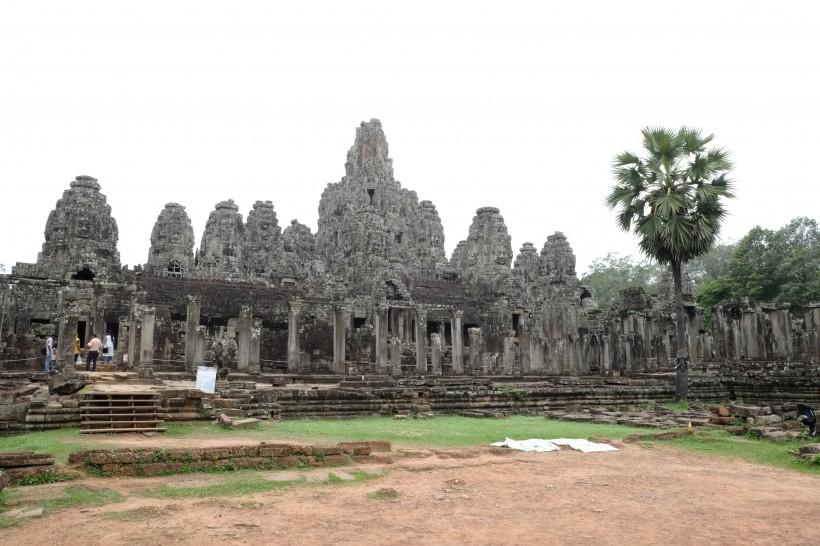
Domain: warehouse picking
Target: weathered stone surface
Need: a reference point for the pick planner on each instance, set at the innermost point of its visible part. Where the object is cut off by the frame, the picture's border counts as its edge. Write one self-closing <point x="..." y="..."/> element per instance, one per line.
<point x="66" y="381"/>
<point x="372" y="292"/>
<point x="172" y="244"/>
<point x="245" y="423"/>
<point x="220" y="252"/>
<point x="744" y="411"/>
<point x="484" y="257"/>
<point x="81" y="235"/>
<point x="263" y="244"/>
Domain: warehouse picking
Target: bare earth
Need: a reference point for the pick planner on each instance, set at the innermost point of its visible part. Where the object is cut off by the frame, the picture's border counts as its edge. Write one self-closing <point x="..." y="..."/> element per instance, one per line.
<point x="635" y="496"/>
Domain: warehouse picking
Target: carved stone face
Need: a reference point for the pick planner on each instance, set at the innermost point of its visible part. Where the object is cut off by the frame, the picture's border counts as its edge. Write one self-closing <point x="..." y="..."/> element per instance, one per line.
<point x="83" y="227"/>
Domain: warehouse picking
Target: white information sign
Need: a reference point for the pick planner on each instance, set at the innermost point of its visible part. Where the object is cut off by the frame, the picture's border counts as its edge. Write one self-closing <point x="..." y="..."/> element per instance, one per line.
<point x="206" y="379"/>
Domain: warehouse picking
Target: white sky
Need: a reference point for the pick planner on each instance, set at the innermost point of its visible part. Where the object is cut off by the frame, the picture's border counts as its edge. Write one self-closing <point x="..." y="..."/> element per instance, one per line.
<point x="519" y="105"/>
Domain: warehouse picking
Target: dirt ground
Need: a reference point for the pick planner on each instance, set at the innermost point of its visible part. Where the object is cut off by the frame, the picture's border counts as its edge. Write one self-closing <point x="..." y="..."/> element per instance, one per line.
<point x="636" y="496"/>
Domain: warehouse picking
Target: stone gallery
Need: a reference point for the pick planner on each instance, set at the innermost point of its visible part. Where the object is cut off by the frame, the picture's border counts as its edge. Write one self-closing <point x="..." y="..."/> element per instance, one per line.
<point x="370" y="293"/>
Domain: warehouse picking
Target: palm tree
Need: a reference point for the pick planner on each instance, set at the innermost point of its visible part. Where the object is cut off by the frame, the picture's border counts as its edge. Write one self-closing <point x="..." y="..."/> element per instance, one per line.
<point x="671" y="199"/>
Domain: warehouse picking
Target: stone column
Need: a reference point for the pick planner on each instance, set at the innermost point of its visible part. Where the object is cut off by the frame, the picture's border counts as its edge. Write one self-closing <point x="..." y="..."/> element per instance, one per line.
<point x="294" y="308"/>
<point x="435" y="343"/>
<point x="782" y="331"/>
<point x="65" y="339"/>
<point x="191" y="324"/>
<point x="524" y="343"/>
<point x="400" y="328"/>
<point x="508" y="358"/>
<point x="458" y="344"/>
<point x="380" y="328"/>
<point x="243" y="348"/>
<point x="134" y="335"/>
<point x="395" y="356"/>
<point x="254" y="358"/>
<point x="198" y="347"/>
<point x="99" y="323"/>
<point x="147" y="338"/>
<point x="421" y="341"/>
<point x="475" y="348"/>
<point x="340" y="314"/>
<point x="812" y="321"/>
<point x="748" y="345"/>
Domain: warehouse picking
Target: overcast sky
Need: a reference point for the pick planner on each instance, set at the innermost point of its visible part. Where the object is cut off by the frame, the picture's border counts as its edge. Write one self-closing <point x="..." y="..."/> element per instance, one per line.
<point x="518" y="105"/>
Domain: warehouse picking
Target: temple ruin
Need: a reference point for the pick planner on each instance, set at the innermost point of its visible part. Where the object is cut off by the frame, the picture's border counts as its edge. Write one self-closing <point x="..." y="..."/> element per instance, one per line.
<point x="371" y="293"/>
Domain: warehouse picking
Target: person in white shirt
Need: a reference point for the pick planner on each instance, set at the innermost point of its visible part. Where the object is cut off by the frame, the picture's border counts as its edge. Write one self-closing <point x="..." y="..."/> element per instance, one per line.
<point x="49" y="351"/>
<point x="108" y="347"/>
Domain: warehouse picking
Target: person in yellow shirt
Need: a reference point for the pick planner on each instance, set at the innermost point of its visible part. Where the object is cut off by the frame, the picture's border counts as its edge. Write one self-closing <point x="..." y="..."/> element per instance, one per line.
<point x="76" y="349"/>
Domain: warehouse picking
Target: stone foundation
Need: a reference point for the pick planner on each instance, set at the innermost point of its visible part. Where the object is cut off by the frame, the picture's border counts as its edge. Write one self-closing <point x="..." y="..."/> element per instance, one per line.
<point x="153" y="462"/>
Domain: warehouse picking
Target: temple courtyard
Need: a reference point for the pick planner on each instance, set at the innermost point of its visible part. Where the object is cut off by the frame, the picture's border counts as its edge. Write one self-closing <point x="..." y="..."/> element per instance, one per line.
<point x="413" y="495"/>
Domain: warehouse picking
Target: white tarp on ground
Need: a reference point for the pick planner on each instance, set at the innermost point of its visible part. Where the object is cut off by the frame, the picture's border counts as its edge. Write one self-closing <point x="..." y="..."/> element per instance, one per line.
<point x="536" y="444"/>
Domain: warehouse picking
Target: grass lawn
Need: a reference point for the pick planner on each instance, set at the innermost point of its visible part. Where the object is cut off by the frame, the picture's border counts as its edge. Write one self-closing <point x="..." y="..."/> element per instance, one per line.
<point x="441" y="431"/>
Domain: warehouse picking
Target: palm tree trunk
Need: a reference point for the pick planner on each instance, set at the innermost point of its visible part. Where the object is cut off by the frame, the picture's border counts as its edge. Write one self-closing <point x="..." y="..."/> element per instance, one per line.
<point x="682" y="362"/>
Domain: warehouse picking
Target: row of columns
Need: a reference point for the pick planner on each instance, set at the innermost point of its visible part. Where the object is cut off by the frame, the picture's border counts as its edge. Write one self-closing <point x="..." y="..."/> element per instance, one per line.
<point x="248" y="346"/>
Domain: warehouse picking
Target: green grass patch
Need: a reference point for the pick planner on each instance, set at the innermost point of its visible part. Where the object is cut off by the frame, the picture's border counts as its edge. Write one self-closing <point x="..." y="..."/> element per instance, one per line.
<point x="441" y="431"/>
<point x="719" y="443"/>
<point x="243" y="482"/>
<point x="73" y="496"/>
<point x="59" y="442"/>
<point x="249" y="482"/>
<point x="79" y="495"/>
<point x="48" y="477"/>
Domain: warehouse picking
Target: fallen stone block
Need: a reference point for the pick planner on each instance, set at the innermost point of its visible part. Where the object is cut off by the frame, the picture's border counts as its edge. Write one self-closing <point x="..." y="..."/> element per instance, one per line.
<point x="225" y="420"/>
<point x="275" y="450"/>
<point x="745" y="411"/>
<point x="250" y="422"/>
<point x="812" y="449"/>
<point x="767" y="419"/>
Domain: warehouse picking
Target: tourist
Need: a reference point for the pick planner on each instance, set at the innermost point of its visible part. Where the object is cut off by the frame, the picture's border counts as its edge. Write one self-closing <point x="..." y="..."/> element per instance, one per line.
<point x="93" y="351"/>
<point x="108" y="347"/>
<point x="77" y="359"/>
<point x="48" y="350"/>
<point x="54" y="354"/>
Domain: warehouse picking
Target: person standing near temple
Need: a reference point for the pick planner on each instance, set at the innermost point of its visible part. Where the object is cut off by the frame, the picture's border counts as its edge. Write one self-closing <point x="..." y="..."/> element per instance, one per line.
<point x="49" y="350"/>
<point x="76" y="350"/>
<point x="108" y="347"/>
<point x="94" y="345"/>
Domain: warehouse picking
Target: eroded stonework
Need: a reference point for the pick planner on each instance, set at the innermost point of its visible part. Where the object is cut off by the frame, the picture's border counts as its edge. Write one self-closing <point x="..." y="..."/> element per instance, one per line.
<point x="172" y="244"/>
<point x="81" y="236"/>
<point x="220" y="253"/>
<point x="370" y="293"/>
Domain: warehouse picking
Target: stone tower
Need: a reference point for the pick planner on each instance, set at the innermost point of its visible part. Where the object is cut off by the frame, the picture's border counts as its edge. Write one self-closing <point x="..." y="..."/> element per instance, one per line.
<point x="557" y="259"/>
<point x="172" y="244"/>
<point x="486" y="255"/>
<point x="220" y="253"/>
<point x="299" y="251"/>
<point x="368" y="220"/>
<point x="81" y="235"/>
<point x="263" y="241"/>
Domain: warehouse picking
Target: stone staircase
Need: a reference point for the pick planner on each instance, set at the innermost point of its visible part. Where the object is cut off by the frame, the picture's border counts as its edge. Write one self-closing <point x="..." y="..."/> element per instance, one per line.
<point x="106" y="412"/>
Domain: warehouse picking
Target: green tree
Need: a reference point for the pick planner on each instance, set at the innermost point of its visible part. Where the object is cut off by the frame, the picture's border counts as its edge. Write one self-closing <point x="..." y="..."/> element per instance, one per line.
<point x="612" y="273"/>
<point x="712" y="265"/>
<point x="672" y="200"/>
<point x="781" y="265"/>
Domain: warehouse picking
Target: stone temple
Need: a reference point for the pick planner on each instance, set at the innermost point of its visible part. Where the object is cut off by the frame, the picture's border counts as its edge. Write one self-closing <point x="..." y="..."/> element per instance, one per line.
<point x="370" y="293"/>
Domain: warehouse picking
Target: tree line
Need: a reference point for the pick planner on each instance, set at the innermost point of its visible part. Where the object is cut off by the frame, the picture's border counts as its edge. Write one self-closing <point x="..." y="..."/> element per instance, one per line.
<point x="773" y="265"/>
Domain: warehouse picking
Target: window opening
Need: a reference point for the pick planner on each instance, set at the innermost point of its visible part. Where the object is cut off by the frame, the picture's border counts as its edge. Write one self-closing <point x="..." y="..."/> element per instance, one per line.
<point x="174" y="269"/>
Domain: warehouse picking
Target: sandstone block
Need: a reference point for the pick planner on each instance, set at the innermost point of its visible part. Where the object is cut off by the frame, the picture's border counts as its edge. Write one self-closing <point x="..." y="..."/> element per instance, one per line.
<point x="745" y="411"/>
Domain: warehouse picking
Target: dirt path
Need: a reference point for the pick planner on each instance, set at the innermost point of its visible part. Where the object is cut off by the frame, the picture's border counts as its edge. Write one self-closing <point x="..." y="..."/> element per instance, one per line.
<point x="634" y="496"/>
